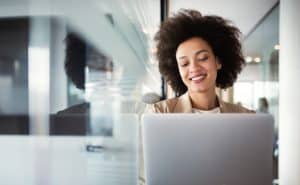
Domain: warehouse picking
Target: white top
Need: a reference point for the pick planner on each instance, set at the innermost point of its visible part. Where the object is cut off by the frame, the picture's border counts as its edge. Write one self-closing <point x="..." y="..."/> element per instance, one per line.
<point x="212" y="111"/>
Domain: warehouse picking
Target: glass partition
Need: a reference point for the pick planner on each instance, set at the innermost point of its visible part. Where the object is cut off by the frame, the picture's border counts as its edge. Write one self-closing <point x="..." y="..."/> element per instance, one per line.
<point x="258" y="85"/>
<point x="259" y="79"/>
<point x="56" y="59"/>
<point x="77" y="71"/>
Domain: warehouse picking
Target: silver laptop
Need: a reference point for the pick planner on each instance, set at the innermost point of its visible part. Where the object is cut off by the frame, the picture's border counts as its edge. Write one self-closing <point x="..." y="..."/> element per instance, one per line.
<point x="214" y="149"/>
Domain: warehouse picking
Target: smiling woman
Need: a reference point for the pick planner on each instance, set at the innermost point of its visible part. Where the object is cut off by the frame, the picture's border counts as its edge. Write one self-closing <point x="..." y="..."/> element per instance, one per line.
<point x="196" y="54"/>
<point x="198" y="67"/>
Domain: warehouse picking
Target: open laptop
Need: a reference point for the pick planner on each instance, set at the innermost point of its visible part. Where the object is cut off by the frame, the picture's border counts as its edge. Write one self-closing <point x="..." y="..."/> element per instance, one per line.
<point x="214" y="149"/>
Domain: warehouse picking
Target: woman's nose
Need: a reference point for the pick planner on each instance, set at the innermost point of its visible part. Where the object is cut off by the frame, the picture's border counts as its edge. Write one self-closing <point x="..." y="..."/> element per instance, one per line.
<point x="195" y="66"/>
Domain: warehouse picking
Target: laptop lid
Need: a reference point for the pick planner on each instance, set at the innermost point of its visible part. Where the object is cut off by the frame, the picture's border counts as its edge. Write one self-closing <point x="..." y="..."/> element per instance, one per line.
<point x="214" y="149"/>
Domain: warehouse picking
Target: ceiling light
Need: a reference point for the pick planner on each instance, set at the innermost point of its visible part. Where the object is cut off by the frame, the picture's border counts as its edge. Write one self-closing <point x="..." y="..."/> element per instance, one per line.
<point x="145" y="31"/>
<point x="153" y="50"/>
<point x="257" y="60"/>
<point x="248" y="59"/>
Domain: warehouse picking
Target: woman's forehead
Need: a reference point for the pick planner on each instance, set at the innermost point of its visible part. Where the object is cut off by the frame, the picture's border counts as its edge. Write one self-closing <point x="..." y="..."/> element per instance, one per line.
<point x="192" y="46"/>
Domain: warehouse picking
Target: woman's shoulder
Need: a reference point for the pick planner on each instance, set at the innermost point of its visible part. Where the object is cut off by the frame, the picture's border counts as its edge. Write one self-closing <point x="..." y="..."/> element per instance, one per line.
<point x="182" y="104"/>
<point x="82" y="108"/>
<point x="164" y="106"/>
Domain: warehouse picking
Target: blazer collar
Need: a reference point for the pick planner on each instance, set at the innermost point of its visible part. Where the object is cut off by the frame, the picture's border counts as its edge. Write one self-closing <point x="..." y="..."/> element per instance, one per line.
<point x="184" y="104"/>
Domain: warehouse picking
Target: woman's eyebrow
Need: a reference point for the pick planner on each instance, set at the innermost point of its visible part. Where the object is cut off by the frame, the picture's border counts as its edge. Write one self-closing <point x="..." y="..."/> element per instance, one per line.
<point x="181" y="57"/>
<point x="201" y="51"/>
<point x="196" y="53"/>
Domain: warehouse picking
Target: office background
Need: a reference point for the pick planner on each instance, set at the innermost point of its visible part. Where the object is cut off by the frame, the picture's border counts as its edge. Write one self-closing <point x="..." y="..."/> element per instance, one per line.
<point x="116" y="41"/>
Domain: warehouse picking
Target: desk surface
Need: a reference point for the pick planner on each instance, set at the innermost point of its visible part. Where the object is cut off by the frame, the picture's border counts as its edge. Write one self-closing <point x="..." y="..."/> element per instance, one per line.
<point x="33" y="160"/>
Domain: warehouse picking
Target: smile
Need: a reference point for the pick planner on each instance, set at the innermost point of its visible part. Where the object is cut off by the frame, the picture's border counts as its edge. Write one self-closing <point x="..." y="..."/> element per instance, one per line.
<point x="198" y="78"/>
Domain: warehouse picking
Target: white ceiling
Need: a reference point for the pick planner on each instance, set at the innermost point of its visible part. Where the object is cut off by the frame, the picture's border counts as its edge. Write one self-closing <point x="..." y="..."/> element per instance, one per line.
<point x="245" y="14"/>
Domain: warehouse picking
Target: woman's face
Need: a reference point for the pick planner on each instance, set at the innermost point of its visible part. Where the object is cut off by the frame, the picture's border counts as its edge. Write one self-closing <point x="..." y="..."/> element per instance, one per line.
<point x="197" y="65"/>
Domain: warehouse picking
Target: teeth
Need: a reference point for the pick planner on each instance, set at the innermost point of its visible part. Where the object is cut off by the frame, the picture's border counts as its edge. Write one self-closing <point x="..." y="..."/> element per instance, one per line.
<point x="201" y="77"/>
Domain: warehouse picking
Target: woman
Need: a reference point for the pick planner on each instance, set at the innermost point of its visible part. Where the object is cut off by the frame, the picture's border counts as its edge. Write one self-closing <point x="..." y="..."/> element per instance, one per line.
<point x="196" y="54"/>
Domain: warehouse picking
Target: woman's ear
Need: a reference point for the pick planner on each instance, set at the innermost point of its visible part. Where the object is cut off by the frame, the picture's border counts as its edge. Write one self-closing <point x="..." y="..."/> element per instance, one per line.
<point x="218" y="63"/>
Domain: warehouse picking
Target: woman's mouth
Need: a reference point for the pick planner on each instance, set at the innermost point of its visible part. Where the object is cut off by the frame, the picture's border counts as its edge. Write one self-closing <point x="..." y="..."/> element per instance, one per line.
<point x="198" y="78"/>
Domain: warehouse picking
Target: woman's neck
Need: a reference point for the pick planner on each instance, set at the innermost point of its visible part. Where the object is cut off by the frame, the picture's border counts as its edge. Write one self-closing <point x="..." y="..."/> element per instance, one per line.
<point x="204" y="101"/>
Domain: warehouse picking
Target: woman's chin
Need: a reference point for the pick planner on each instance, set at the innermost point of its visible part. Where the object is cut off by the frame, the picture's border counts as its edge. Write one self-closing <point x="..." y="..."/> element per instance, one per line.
<point x="198" y="89"/>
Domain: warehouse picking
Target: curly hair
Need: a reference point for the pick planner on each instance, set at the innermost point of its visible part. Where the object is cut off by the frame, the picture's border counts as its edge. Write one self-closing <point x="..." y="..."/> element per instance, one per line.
<point x="79" y="54"/>
<point x="75" y="60"/>
<point x="219" y="33"/>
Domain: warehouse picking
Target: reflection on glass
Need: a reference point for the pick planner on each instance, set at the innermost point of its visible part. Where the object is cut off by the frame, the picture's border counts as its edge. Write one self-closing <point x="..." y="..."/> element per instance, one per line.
<point x="72" y="73"/>
<point x="258" y="86"/>
<point x="102" y="91"/>
<point x="260" y="78"/>
<point x="13" y="66"/>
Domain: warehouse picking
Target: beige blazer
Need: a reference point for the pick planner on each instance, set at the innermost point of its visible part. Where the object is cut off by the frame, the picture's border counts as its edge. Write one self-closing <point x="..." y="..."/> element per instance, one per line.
<point x="183" y="104"/>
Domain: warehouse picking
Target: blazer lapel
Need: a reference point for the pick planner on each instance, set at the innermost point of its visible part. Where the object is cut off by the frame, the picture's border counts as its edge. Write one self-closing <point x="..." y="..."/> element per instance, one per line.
<point x="183" y="104"/>
<point x="224" y="107"/>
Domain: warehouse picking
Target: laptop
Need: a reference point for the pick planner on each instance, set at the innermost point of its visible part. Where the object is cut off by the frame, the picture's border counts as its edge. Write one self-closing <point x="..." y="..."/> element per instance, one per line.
<point x="201" y="149"/>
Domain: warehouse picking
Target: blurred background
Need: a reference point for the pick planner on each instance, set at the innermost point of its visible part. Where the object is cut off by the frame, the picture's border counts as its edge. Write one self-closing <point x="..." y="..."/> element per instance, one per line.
<point x="87" y="68"/>
<point x="55" y="56"/>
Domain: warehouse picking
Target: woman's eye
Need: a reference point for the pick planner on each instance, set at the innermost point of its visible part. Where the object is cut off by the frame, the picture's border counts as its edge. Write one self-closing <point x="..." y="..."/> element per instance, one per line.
<point x="184" y="64"/>
<point x="202" y="59"/>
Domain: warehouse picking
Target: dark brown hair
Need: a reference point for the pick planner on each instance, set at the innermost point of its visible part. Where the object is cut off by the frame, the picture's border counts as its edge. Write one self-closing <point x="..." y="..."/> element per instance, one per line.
<point x="219" y="33"/>
<point x="75" y="59"/>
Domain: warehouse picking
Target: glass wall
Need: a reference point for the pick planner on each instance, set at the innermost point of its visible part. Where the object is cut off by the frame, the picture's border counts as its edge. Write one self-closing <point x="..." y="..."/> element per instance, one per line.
<point x="257" y="86"/>
<point x="53" y="58"/>
<point x="76" y="68"/>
